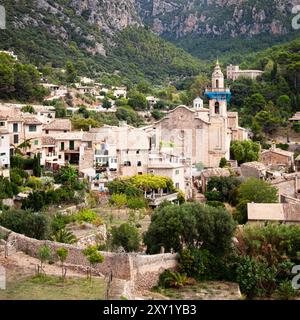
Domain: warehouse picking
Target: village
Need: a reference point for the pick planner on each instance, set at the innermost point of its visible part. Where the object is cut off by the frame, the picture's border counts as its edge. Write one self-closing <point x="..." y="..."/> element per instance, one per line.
<point x="96" y="180"/>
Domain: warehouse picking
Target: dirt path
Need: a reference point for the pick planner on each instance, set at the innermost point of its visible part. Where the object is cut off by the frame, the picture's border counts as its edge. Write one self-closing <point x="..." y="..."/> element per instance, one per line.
<point x="22" y="265"/>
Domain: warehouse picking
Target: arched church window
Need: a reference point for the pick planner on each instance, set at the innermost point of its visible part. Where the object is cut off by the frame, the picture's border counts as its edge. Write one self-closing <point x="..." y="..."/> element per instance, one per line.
<point x="217" y="83"/>
<point x="217" y="108"/>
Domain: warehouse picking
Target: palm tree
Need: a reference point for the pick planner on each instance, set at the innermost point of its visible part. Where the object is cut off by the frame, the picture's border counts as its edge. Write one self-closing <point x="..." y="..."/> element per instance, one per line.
<point x="22" y="146"/>
<point x="64" y="236"/>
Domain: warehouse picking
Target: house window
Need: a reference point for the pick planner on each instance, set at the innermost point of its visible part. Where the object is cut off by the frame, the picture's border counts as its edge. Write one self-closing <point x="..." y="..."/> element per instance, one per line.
<point x="2" y="124"/>
<point x="3" y="154"/>
<point x="89" y="144"/>
<point x="15" y="127"/>
<point x="36" y="142"/>
<point x="32" y="128"/>
<point x="72" y="145"/>
<point x="139" y="164"/>
<point x="59" y="157"/>
<point x="177" y="185"/>
<point x="151" y="171"/>
<point x="16" y="138"/>
<point x="47" y="131"/>
<point x="2" y="137"/>
<point x="138" y="152"/>
<point x="217" y="108"/>
<point x="177" y="172"/>
<point x="62" y="146"/>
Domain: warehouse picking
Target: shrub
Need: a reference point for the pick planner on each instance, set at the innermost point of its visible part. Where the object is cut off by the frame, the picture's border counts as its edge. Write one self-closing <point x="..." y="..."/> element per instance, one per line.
<point x="202" y="264"/>
<point x="86" y="215"/>
<point x="93" y="256"/>
<point x="126" y="236"/>
<point x="213" y="196"/>
<point x="223" y="163"/>
<point x="34" y="183"/>
<point x="64" y="236"/>
<point x="285" y="291"/>
<point x="255" y="278"/>
<point x="170" y="279"/>
<point x="32" y="224"/>
<point x="216" y="204"/>
<point x="60" y="221"/>
<point x="119" y="186"/>
<point x="118" y="200"/>
<point x="136" y="203"/>
<point x="44" y="254"/>
<point x="6" y="188"/>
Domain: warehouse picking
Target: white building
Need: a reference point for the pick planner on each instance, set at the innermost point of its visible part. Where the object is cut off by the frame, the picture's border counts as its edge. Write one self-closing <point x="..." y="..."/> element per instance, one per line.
<point x="234" y="72"/>
<point x="198" y="103"/>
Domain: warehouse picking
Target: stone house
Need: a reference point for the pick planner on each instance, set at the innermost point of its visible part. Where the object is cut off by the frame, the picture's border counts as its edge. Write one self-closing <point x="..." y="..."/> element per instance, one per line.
<point x="57" y="126"/>
<point x="288" y="213"/>
<point x="254" y="169"/>
<point x="277" y="158"/>
<point x="23" y="128"/>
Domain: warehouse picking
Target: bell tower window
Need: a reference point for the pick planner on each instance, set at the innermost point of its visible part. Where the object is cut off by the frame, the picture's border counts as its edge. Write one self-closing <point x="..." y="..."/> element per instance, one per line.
<point x="217" y="83"/>
<point x="217" y="108"/>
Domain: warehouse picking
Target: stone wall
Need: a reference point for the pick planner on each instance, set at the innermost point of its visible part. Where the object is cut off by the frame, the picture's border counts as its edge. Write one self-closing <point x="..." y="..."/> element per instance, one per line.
<point x="141" y="270"/>
<point x="147" y="268"/>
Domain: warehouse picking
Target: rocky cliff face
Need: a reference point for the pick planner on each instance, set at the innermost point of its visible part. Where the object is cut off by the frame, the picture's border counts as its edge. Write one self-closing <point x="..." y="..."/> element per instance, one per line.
<point x="90" y="22"/>
<point x="179" y="18"/>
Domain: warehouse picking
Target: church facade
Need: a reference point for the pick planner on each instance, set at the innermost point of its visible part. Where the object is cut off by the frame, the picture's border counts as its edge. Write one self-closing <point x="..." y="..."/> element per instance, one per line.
<point x="199" y="134"/>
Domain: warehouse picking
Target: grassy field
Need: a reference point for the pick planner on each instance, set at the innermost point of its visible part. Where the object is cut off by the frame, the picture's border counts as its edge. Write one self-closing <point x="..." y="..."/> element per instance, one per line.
<point x="210" y="290"/>
<point x="52" y="288"/>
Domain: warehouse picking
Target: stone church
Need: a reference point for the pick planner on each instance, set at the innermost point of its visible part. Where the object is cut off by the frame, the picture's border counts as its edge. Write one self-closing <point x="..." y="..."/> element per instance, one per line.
<point x="199" y="134"/>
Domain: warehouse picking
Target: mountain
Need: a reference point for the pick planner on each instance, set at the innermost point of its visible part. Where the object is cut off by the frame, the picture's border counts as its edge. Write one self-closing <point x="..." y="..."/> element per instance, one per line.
<point x="206" y="28"/>
<point x="94" y="35"/>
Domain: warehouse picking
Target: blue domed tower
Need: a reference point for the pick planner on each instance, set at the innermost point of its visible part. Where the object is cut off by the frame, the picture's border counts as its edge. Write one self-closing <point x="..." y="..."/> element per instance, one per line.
<point x="218" y="95"/>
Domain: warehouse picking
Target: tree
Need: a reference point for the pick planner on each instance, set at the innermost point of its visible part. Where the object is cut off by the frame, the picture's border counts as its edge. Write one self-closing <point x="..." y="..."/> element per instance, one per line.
<point x="94" y="257"/>
<point x="257" y="191"/>
<point x="223" y="163"/>
<point x="126" y="236"/>
<point x="44" y="254"/>
<point x="62" y="254"/>
<point x="254" y="104"/>
<point x="71" y="72"/>
<point x="28" y="109"/>
<point x="67" y="175"/>
<point x="106" y="104"/>
<point x="157" y="115"/>
<point x="31" y="224"/>
<point x="138" y="101"/>
<point x="224" y="188"/>
<point x="267" y="121"/>
<point x="245" y="151"/>
<point x="143" y="87"/>
<point x="190" y="225"/>
<point x="199" y="85"/>
<point x="37" y="171"/>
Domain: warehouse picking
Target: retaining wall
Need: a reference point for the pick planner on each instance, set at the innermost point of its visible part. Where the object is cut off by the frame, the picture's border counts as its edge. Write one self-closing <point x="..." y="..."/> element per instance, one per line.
<point x="141" y="270"/>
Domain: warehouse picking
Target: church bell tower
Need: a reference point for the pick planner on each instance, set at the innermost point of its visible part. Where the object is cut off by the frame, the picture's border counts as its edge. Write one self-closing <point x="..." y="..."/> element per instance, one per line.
<point x="218" y="95"/>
